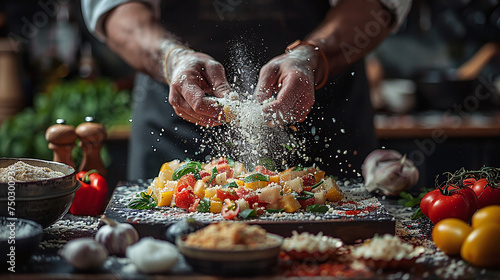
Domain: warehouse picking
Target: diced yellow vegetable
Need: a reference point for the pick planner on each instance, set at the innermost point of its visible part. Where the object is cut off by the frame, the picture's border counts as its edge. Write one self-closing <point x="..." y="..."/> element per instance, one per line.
<point x="274" y="179"/>
<point x="289" y="203"/>
<point x="165" y="197"/>
<point x="240" y="183"/>
<point x="199" y="189"/>
<point x="319" y="175"/>
<point x="256" y="185"/>
<point x="167" y="169"/>
<point x="215" y="205"/>
<point x="333" y="191"/>
<point x="210" y="192"/>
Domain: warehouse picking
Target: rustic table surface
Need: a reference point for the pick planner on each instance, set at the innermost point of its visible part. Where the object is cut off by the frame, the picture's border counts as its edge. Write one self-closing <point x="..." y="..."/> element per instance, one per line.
<point x="433" y="264"/>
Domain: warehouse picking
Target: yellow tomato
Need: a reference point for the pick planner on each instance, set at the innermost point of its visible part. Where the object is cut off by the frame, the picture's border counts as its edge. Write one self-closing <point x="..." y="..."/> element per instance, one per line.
<point x="449" y="235"/>
<point x="486" y="215"/>
<point x="482" y="246"/>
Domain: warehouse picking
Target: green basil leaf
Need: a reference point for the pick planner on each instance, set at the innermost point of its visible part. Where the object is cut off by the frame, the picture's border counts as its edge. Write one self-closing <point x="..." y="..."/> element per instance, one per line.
<point x="255" y="178"/>
<point x="247" y="213"/>
<point x="275" y="210"/>
<point x="190" y="167"/>
<point x="316" y="208"/>
<point x="231" y="185"/>
<point x="142" y="201"/>
<point x="203" y="205"/>
<point x="214" y="174"/>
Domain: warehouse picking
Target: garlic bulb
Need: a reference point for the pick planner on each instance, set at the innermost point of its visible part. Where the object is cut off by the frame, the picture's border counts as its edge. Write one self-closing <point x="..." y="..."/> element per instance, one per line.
<point x="84" y="253"/>
<point x="153" y="256"/>
<point x="389" y="172"/>
<point x="116" y="237"/>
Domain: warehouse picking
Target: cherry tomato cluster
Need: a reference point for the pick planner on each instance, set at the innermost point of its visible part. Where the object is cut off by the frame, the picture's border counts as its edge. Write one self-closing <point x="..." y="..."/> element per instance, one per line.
<point x="462" y="194"/>
<point x="478" y="243"/>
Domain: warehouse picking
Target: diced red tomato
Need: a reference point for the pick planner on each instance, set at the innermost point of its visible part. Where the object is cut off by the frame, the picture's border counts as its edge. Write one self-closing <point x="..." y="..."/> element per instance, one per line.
<point x="248" y="195"/>
<point x="192" y="207"/>
<point x="306" y="202"/>
<point x="229" y="194"/>
<point x="224" y="167"/>
<point x="262" y="170"/>
<point x="204" y="174"/>
<point x="185" y="181"/>
<point x="308" y="180"/>
<point x="184" y="198"/>
<point x="220" y="160"/>
<point x="230" y="209"/>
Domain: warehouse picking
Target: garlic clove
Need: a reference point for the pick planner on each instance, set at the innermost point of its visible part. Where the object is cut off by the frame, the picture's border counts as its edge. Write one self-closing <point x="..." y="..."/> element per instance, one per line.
<point x="84" y="253"/>
<point x="116" y="237"/>
<point x="153" y="256"/>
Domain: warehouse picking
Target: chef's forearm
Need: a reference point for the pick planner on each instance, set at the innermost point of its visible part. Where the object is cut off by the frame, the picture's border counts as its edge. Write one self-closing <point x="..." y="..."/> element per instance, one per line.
<point x="349" y="31"/>
<point x="134" y="33"/>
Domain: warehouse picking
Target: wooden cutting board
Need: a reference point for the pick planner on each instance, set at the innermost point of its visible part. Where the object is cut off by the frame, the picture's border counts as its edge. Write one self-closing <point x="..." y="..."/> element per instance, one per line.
<point x="358" y="216"/>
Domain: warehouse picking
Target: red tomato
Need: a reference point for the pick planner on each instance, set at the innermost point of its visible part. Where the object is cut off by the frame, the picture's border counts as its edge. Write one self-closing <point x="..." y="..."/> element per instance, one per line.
<point x="248" y="195"/>
<point x="204" y="174"/>
<point x="308" y="180"/>
<point x="192" y="207"/>
<point x="427" y="200"/>
<point x="486" y="195"/>
<point x="229" y="194"/>
<point x="264" y="171"/>
<point x="224" y="167"/>
<point x="184" y="198"/>
<point x="306" y="202"/>
<point x="185" y="181"/>
<point x="230" y="209"/>
<point x="458" y="204"/>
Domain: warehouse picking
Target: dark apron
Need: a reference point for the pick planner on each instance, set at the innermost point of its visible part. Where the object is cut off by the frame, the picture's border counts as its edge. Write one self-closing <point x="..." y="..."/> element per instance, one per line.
<point x="339" y="129"/>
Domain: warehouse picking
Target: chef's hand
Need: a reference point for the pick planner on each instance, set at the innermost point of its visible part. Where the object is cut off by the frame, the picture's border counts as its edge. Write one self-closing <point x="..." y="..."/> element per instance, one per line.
<point x="291" y="78"/>
<point x="193" y="76"/>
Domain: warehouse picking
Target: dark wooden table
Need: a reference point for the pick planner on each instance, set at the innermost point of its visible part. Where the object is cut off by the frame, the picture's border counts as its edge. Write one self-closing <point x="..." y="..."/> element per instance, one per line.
<point x="433" y="264"/>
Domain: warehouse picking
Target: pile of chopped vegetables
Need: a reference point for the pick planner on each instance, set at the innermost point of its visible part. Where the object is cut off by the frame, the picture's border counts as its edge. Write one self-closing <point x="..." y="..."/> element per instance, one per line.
<point x="226" y="187"/>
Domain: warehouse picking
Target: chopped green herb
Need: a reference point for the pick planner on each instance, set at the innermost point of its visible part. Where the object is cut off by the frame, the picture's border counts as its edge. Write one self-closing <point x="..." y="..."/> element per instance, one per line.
<point x="255" y="178"/>
<point x="231" y="185"/>
<point x="317" y="184"/>
<point x="316" y="208"/>
<point x="247" y="213"/>
<point x="299" y="167"/>
<point x="193" y="167"/>
<point x="142" y="201"/>
<point x="214" y="174"/>
<point x="203" y="205"/>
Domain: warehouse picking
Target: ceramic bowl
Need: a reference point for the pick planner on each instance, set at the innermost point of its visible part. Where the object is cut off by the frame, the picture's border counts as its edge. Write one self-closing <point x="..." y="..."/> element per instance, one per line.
<point x="43" y="201"/>
<point x="21" y="235"/>
<point x="248" y="262"/>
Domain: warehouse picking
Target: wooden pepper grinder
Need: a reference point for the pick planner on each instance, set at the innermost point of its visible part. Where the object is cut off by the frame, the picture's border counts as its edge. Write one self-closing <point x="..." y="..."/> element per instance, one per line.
<point x="61" y="138"/>
<point x="92" y="136"/>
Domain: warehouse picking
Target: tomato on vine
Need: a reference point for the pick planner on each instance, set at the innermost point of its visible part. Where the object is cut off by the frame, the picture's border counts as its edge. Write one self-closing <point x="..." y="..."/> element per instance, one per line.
<point x="449" y="202"/>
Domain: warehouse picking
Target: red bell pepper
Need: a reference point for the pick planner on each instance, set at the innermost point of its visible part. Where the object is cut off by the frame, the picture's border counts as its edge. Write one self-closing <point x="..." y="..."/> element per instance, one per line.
<point x="90" y="198"/>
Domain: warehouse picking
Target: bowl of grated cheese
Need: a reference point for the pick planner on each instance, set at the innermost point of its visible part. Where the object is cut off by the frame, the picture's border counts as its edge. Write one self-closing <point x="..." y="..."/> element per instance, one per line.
<point x="37" y="190"/>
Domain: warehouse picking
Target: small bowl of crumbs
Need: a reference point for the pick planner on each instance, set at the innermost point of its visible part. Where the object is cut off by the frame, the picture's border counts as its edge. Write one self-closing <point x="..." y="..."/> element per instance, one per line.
<point x="307" y="246"/>
<point x="42" y="191"/>
<point x="387" y="252"/>
<point x="19" y="238"/>
<point x="231" y="249"/>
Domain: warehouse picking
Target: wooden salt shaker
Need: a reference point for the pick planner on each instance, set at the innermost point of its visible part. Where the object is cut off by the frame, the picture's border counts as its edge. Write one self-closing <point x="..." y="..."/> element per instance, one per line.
<point x="92" y="136"/>
<point x="61" y="138"/>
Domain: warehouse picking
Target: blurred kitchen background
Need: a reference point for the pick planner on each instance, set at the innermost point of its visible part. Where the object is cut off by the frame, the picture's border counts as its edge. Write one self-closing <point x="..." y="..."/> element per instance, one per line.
<point x="435" y="84"/>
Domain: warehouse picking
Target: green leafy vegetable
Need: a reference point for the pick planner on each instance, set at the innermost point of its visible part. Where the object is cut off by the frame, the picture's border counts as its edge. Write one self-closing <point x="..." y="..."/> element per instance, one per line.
<point x="203" y="205"/>
<point x="408" y="200"/>
<point x="192" y="167"/>
<point x="255" y="178"/>
<point x="317" y="184"/>
<point x="231" y="185"/>
<point x="213" y="175"/>
<point x="247" y="213"/>
<point x="316" y="208"/>
<point x="142" y="201"/>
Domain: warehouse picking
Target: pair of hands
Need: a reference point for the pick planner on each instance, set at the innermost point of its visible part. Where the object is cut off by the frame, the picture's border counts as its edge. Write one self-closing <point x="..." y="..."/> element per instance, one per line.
<point x="289" y="77"/>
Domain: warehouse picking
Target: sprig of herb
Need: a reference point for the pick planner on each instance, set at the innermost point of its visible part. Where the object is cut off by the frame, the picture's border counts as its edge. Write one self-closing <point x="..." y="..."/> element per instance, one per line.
<point x="248" y="213"/>
<point x="317" y="208"/>
<point x="142" y="201"/>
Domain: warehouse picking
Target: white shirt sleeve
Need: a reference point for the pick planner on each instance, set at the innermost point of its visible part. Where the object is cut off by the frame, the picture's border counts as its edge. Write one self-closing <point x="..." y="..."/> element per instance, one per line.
<point x="94" y="12"/>
<point x="399" y="8"/>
